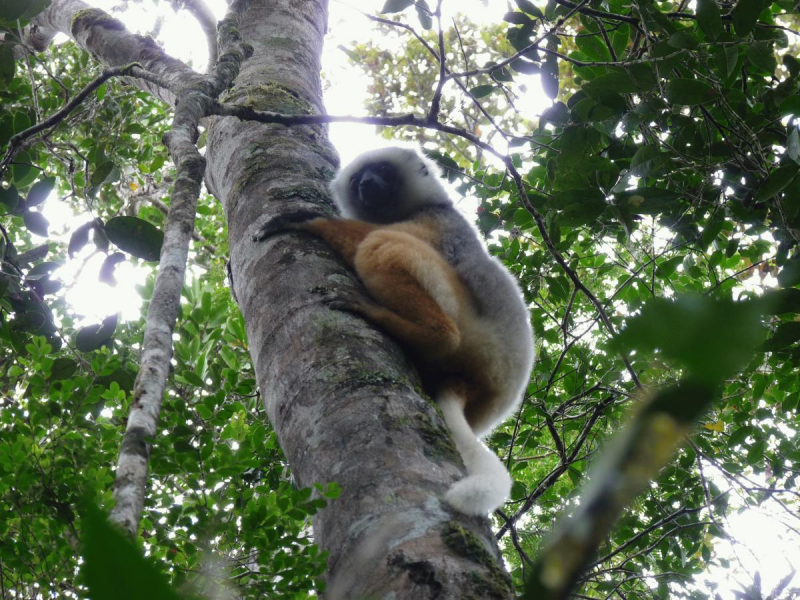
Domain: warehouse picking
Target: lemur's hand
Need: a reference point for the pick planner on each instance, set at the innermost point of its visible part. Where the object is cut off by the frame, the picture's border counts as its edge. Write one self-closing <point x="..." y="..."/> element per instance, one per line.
<point x="283" y="223"/>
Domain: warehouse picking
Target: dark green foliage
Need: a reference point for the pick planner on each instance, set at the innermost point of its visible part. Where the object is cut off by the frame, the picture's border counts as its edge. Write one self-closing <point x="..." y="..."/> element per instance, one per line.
<point x="665" y="173"/>
<point x="136" y="236"/>
<point x="114" y="568"/>
<point x="224" y="507"/>
<point x="663" y="183"/>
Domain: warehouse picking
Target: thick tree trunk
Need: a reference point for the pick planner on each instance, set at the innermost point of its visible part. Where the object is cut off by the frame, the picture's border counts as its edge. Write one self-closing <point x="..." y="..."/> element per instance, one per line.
<point x="341" y="395"/>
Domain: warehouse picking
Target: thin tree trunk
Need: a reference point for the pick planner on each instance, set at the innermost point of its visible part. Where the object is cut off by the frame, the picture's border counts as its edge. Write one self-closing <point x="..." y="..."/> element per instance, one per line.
<point x="341" y="395"/>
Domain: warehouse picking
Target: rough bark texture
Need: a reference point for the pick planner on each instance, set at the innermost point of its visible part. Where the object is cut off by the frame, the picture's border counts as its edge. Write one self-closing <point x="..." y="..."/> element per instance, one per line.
<point x="107" y="40"/>
<point x="340" y="394"/>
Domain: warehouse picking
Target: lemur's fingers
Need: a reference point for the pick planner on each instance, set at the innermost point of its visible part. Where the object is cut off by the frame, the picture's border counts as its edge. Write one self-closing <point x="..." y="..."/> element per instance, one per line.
<point x="347" y="301"/>
<point x="283" y="223"/>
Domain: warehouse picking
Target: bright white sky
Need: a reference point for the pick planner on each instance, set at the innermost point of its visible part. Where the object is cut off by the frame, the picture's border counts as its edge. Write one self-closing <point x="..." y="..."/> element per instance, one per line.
<point x="769" y="541"/>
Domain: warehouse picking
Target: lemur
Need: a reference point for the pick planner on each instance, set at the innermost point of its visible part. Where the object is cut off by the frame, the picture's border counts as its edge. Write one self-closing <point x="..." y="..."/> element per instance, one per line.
<point x="433" y="286"/>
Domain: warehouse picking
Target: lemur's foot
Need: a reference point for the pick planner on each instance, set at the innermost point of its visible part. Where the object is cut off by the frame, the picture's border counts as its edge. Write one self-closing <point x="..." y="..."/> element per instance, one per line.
<point x="348" y="301"/>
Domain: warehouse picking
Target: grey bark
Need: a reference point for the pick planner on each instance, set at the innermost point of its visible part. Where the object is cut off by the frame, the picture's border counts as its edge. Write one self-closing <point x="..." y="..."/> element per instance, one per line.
<point x="341" y="395"/>
<point x="107" y="40"/>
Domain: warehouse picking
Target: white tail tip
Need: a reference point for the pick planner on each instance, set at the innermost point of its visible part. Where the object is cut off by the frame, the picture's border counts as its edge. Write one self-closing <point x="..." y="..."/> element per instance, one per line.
<point x="488" y="483"/>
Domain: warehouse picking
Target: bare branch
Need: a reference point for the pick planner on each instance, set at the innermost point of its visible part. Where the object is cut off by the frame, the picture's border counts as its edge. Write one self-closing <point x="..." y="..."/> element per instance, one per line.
<point x="151" y="382"/>
<point x="106" y="38"/>
<point x="433" y="114"/>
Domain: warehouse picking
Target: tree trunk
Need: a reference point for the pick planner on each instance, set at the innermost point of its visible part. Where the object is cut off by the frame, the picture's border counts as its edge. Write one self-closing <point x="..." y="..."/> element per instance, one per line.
<point x="341" y="395"/>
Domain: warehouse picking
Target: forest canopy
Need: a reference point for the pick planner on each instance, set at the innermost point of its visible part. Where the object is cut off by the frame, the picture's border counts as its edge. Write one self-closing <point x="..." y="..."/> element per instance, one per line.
<point x="634" y="164"/>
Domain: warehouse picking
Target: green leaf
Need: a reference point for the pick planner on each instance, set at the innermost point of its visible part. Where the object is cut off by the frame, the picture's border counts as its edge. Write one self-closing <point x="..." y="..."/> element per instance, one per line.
<point x="79" y="238"/>
<point x="683" y="40"/>
<point x="106" y="274"/>
<point x="40" y="191"/>
<point x="689" y="92"/>
<point x="726" y="58"/>
<point x="791" y="64"/>
<point x="35" y="222"/>
<point x="739" y="435"/>
<point x="790" y="106"/>
<point x="193" y="378"/>
<point x="7" y="65"/>
<point x="423" y="14"/>
<point x="525" y="67"/>
<point x="786" y="335"/>
<point x="135" y="236"/>
<point x="34" y="8"/>
<point x="9" y="198"/>
<point x="481" y="91"/>
<point x="549" y="77"/>
<point x="558" y="287"/>
<point x="30" y="321"/>
<point x="593" y="46"/>
<point x="183" y="446"/>
<point x="783" y="301"/>
<point x="762" y="55"/>
<point x="579" y="207"/>
<point x="648" y="161"/>
<point x="776" y="182"/>
<point x="745" y="15"/>
<point x="517" y="18"/>
<point x="620" y="38"/>
<point x="732" y="247"/>
<point x="791" y="402"/>
<point x="530" y="8"/>
<point x="22" y="172"/>
<point x="393" y="6"/>
<point x="94" y="337"/>
<point x="11" y="10"/>
<point x="709" y="19"/>
<point x="42" y="270"/>
<point x="710" y="338"/>
<point x="616" y="82"/>
<point x="113" y="568"/>
<point x="712" y="229"/>
<point x="790" y="273"/>
<point x="668" y="267"/>
<point x="647" y="200"/>
<point x="63" y="368"/>
<point x="21" y="122"/>
<point x="793" y="146"/>
<point x="101" y="174"/>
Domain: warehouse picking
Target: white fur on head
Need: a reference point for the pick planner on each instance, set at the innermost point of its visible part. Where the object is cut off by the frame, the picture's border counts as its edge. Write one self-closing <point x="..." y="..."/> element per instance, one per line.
<point x="419" y="176"/>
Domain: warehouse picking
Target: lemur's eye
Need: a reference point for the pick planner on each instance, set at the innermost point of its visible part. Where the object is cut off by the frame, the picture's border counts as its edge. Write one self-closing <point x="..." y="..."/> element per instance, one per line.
<point x="386" y="170"/>
<point x="354" y="183"/>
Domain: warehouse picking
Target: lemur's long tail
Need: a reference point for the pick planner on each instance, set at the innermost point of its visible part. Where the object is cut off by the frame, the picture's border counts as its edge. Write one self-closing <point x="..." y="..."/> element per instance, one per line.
<point x="488" y="483"/>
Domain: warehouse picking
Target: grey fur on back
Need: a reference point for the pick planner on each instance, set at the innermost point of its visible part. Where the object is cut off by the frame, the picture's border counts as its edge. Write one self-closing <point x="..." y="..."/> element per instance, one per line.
<point x="497" y="297"/>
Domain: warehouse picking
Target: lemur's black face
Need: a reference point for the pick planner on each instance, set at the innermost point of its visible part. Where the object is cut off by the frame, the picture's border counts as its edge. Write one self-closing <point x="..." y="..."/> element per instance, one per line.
<point x="374" y="190"/>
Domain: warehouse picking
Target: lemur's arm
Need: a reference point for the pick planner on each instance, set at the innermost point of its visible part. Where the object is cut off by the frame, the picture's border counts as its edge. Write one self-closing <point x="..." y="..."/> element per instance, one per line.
<point x="342" y="235"/>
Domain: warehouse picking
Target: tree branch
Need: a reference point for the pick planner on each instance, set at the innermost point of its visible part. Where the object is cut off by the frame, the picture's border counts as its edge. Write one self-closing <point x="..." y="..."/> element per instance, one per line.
<point x="106" y="38"/>
<point x="208" y="23"/>
<point x="151" y="381"/>
<point x="433" y="114"/>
